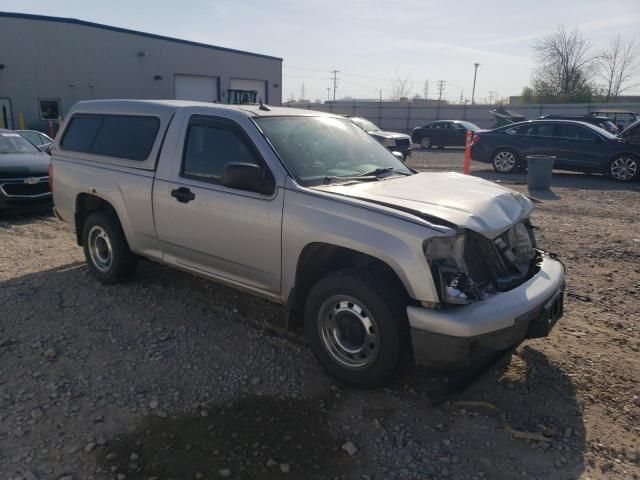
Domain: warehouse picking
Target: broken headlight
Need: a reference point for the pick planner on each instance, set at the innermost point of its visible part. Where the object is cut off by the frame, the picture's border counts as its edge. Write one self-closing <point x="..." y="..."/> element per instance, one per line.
<point x="445" y="255"/>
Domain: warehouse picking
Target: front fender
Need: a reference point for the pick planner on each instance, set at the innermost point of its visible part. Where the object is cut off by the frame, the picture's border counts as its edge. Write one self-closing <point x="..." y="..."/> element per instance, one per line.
<point x="310" y="218"/>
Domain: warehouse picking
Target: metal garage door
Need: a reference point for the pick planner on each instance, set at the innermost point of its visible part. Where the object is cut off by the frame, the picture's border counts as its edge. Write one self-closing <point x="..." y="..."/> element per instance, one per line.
<point x="196" y="87"/>
<point x="239" y="85"/>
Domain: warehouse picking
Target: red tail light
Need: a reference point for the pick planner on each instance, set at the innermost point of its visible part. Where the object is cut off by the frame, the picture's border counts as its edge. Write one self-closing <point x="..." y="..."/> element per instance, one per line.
<point x="51" y="177"/>
<point x="476" y="139"/>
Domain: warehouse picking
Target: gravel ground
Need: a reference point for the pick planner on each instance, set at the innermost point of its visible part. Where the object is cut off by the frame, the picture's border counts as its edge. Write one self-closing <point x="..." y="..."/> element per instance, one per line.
<point x="172" y="376"/>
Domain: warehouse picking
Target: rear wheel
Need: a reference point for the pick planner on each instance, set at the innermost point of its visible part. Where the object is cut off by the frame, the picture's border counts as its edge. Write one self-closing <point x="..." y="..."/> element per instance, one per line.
<point x="624" y="168"/>
<point x="425" y="143"/>
<point x="356" y="327"/>
<point x="106" y="249"/>
<point x="505" y="161"/>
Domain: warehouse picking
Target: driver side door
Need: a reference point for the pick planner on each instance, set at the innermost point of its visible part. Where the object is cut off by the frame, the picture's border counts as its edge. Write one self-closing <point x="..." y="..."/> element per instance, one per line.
<point x="204" y="226"/>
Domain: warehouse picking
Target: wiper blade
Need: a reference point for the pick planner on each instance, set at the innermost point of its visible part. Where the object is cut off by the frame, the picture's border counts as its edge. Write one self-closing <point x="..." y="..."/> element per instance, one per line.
<point x="357" y="178"/>
<point x="381" y="170"/>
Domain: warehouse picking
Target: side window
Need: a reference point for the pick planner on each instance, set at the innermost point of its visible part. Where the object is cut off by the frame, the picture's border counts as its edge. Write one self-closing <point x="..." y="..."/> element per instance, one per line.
<point x="211" y="144"/>
<point x="81" y="133"/>
<point x="540" y="130"/>
<point x="120" y="136"/>
<point x="573" y="132"/>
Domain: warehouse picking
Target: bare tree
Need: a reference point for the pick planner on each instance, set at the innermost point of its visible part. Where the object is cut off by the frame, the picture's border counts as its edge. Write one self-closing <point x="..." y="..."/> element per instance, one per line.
<point x="566" y="65"/>
<point x="619" y="66"/>
<point x="401" y="87"/>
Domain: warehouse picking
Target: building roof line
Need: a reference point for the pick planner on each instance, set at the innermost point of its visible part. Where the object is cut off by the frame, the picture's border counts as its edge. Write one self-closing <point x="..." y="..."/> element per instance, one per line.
<point x="84" y="23"/>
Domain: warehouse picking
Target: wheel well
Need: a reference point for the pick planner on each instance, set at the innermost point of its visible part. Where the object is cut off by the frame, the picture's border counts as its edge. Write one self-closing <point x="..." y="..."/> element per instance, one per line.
<point x="317" y="260"/>
<point x="85" y="205"/>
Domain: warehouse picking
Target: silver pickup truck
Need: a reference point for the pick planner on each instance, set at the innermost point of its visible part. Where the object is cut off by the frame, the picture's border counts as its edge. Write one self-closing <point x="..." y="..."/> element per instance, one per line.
<point x="378" y="262"/>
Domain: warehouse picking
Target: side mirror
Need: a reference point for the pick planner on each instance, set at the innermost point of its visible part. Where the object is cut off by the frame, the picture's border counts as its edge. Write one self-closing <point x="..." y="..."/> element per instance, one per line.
<point x="45" y="148"/>
<point x="248" y="177"/>
<point x="398" y="155"/>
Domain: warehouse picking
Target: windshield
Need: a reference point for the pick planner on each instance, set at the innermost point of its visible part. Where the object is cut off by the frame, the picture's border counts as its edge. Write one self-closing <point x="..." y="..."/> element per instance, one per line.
<point x="14" y="143"/>
<point x="365" y="124"/>
<point x="314" y="148"/>
<point x="469" y="126"/>
<point x="601" y="131"/>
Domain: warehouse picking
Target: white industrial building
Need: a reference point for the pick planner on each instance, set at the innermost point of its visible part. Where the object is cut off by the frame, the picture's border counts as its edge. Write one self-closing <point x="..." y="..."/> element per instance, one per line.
<point x="49" y="63"/>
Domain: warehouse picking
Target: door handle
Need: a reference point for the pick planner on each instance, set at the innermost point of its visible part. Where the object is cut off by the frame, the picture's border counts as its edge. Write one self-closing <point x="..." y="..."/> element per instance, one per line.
<point x="183" y="194"/>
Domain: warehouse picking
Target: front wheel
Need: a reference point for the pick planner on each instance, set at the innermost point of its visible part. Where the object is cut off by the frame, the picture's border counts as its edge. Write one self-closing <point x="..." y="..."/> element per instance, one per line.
<point x="504" y="161"/>
<point x="624" y="168"/>
<point x="357" y="329"/>
<point x="425" y="143"/>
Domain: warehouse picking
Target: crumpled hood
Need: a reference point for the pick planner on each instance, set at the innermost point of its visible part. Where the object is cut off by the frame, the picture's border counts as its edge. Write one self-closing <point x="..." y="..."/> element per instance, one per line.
<point x="463" y="200"/>
<point x="384" y="134"/>
<point x="24" y="165"/>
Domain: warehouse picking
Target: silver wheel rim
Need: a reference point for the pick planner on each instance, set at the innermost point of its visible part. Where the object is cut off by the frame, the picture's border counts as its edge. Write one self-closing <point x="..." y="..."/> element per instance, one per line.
<point x="100" y="249"/>
<point x="348" y="332"/>
<point x="624" y="168"/>
<point x="426" y="142"/>
<point x="504" y="161"/>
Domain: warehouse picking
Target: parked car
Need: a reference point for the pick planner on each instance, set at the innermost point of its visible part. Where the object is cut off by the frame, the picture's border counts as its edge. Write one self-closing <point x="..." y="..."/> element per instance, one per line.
<point x="24" y="177"/>
<point x="307" y="210"/>
<point x="631" y="134"/>
<point x="620" y="118"/>
<point x="599" y="121"/>
<point x="39" y="139"/>
<point x="443" y="133"/>
<point x="577" y="146"/>
<point x="394" y="141"/>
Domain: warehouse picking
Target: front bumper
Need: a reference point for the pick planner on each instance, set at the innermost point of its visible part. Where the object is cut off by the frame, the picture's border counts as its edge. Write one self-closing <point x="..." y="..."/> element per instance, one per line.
<point x="405" y="151"/>
<point x="453" y="336"/>
<point x="24" y="193"/>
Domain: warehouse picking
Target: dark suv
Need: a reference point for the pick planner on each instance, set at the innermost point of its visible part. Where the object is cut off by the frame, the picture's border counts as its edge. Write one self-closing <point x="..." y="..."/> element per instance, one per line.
<point x="599" y="121"/>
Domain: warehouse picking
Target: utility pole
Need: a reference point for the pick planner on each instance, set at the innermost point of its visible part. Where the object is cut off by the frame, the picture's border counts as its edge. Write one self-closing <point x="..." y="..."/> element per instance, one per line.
<point x="335" y="82"/>
<point x="426" y="89"/>
<point x="380" y="95"/>
<point x="441" y="86"/>
<point x="491" y="95"/>
<point x="475" y="74"/>
<point x="461" y="96"/>
<point x="328" y="94"/>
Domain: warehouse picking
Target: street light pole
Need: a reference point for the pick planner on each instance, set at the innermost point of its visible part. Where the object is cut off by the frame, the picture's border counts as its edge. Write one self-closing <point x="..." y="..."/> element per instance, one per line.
<point x="475" y="74"/>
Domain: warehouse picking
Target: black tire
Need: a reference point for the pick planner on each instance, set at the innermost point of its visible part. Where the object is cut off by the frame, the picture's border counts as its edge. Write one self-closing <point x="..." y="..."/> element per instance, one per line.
<point x="382" y="306"/>
<point x="102" y="238"/>
<point x="426" y="143"/>
<point x="505" y="160"/>
<point x="624" y="168"/>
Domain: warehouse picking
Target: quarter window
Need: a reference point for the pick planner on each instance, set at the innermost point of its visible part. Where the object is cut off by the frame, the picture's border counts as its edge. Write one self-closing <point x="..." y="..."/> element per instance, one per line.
<point x="119" y="136"/>
<point x="210" y="145"/>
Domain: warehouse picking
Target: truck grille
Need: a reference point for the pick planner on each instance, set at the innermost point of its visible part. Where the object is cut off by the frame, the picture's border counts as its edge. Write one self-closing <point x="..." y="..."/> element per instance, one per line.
<point x="505" y="261"/>
<point x="32" y="187"/>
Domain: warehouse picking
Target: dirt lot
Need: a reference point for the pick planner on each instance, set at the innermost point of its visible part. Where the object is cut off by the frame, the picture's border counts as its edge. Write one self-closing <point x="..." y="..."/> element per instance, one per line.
<point x="172" y="376"/>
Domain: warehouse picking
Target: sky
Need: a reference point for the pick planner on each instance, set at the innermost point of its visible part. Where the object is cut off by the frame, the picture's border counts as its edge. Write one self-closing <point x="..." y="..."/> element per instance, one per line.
<point x="370" y="43"/>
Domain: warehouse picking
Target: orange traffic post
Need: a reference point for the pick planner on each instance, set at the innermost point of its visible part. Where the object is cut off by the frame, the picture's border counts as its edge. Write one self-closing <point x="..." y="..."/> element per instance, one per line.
<point x="467" y="153"/>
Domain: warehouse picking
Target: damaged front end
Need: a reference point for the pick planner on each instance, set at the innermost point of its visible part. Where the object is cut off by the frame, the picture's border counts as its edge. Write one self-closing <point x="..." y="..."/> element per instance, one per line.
<point x="470" y="266"/>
